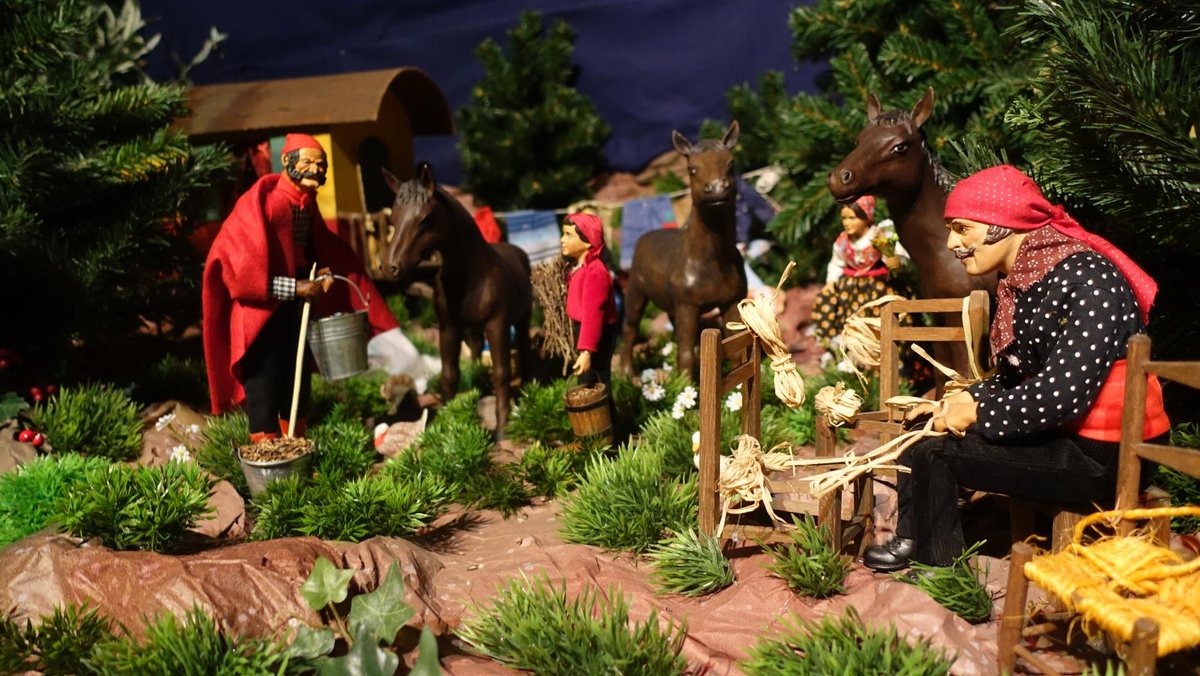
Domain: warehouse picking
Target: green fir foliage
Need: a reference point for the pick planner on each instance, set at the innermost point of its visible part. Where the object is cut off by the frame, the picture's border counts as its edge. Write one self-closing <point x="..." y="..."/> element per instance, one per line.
<point x="216" y="454"/>
<point x="93" y="419"/>
<point x="61" y="644"/>
<point x="28" y="495"/>
<point x="529" y="138"/>
<point x="809" y="563"/>
<point x="192" y="646"/>
<point x="353" y="399"/>
<point x="96" y="181"/>
<point x="146" y="508"/>
<point x="844" y="645"/>
<point x="533" y="626"/>
<point x="1184" y="489"/>
<point x="553" y="471"/>
<point x="541" y="414"/>
<point x="628" y="502"/>
<point x="344" y="452"/>
<point x="690" y="563"/>
<point x="960" y="587"/>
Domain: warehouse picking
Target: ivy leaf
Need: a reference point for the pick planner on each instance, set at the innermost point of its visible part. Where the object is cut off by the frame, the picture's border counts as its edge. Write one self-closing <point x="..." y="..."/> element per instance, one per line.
<point x="383" y="611"/>
<point x="311" y="643"/>
<point x="365" y="658"/>
<point x="427" y="656"/>
<point x="325" y="585"/>
<point x="11" y="405"/>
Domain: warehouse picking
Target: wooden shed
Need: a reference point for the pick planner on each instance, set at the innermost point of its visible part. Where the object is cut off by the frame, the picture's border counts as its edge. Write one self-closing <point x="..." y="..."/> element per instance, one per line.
<point x="366" y="120"/>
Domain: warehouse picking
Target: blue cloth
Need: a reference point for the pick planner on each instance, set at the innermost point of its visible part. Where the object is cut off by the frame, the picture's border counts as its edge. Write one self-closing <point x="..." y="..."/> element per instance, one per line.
<point x="751" y="207"/>
<point x="536" y="232"/>
<point x="639" y="217"/>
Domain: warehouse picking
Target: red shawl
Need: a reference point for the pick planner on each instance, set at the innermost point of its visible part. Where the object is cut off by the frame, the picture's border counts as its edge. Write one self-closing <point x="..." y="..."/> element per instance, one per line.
<point x="246" y="253"/>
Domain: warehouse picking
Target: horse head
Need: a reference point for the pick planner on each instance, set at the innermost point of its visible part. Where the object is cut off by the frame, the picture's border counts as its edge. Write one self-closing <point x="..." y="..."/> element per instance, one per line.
<point x="710" y="166"/>
<point x="889" y="156"/>
<point x="417" y="224"/>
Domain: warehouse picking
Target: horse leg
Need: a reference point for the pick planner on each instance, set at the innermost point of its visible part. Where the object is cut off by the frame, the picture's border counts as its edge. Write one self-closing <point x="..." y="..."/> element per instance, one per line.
<point x="635" y="305"/>
<point x="449" y="344"/>
<point x="475" y="344"/>
<point x="687" y="326"/>
<point x="524" y="353"/>
<point x="497" y="335"/>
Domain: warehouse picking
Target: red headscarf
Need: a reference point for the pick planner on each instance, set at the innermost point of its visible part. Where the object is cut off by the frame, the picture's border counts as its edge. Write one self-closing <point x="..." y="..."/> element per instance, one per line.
<point x="298" y="141"/>
<point x="1006" y="197"/>
<point x="867" y="204"/>
<point x="592" y="230"/>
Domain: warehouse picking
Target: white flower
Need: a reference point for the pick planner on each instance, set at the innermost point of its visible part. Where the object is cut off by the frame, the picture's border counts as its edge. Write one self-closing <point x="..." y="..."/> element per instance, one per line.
<point x="648" y="376"/>
<point x="668" y="368"/>
<point x="695" y="441"/>
<point x="734" y="401"/>
<point x="162" y="422"/>
<point x="180" y="454"/>
<point x="845" y="366"/>
<point x="686" y="398"/>
<point x="668" y="349"/>
<point x="193" y="428"/>
<point x="653" y="391"/>
<point x="677" y="411"/>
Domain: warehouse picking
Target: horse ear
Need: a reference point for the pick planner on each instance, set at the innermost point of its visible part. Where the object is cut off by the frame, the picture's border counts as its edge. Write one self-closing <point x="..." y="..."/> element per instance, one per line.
<point x="425" y="175"/>
<point x="393" y="183"/>
<point x="683" y="145"/>
<point x="731" y="136"/>
<point x="923" y="109"/>
<point x="873" y="107"/>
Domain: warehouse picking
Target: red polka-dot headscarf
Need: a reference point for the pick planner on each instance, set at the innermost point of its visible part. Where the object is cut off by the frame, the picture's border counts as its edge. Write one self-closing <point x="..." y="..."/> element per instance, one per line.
<point x="867" y="204"/>
<point x="1006" y="197"/>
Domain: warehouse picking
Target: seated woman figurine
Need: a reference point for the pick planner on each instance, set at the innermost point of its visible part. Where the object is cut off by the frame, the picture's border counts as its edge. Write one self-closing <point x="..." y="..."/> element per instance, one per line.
<point x="858" y="270"/>
<point x="1045" y="427"/>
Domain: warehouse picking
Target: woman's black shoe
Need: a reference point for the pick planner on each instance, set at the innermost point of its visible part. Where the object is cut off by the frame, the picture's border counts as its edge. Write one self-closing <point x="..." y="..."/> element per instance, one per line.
<point x="893" y="555"/>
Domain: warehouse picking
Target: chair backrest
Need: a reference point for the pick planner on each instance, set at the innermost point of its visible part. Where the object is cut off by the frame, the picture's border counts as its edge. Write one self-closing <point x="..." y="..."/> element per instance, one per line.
<point x="973" y="330"/>
<point x="1133" y="448"/>
<point x="744" y="355"/>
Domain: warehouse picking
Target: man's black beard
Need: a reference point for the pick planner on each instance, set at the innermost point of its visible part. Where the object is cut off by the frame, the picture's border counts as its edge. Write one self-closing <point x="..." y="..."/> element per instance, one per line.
<point x="298" y="176"/>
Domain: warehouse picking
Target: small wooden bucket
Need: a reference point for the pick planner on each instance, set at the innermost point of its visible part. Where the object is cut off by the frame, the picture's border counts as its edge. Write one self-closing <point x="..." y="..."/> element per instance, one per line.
<point x="587" y="409"/>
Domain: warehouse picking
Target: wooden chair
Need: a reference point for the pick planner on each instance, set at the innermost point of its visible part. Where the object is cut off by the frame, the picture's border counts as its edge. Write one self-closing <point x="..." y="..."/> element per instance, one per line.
<point x="743" y="352"/>
<point x="886" y="423"/>
<point x="1140" y="643"/>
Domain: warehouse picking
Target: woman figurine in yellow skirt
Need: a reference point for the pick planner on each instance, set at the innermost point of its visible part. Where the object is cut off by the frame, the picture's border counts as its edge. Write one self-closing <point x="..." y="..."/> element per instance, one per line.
<point x="863" y="257"/>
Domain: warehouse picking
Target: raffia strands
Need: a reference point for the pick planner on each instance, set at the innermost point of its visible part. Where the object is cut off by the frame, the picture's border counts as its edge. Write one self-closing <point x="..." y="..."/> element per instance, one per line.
<point x="758" y="315"/>
<point x="860" y="338"/>
<point x="1114" y="581"/>
<point x="550" y="289"/>
<point x="743" y="480"/>
<point x="838" y="403"/>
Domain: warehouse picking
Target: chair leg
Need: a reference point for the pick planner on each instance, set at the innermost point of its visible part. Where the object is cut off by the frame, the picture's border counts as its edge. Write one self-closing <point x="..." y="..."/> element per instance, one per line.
<point x="1143" y="649"/>
<point x="1064" y="529"/>
<point x="1015" y="598"/>
<point x="1020" y="519"/>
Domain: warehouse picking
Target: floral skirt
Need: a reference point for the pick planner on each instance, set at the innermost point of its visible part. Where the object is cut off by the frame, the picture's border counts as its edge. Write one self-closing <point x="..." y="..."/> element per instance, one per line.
<point x="833" y="307"/>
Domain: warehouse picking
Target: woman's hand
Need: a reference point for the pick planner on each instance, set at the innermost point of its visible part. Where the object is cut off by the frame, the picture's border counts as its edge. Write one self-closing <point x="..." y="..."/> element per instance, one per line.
<point x="892" y="262"/>
<point x="583" y="363"/>
<point x="827" y="288"/>
<point x="958" y="417"/>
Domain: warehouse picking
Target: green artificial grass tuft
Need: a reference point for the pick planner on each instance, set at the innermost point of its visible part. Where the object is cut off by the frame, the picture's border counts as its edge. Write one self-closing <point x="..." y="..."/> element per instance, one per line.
<point x="958" y="587"/>
<point x="810" y="564"/>
<point x="691" y="564"/>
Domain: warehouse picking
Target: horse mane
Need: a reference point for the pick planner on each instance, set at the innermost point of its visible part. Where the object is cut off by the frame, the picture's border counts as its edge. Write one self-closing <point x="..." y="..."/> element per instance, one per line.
<point x="707" y="145"/>
<point x="891" y="118"/>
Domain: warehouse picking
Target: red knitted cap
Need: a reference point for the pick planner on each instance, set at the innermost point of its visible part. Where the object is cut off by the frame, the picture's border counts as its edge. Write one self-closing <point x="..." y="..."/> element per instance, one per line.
<point x="298" y="141"/>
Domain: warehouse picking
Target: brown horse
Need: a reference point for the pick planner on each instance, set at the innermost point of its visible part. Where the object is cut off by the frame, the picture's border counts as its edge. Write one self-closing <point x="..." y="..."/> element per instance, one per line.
<point x="690" y="270"/>
<point x="890" y="160"/>
<point x="480" y="286"/>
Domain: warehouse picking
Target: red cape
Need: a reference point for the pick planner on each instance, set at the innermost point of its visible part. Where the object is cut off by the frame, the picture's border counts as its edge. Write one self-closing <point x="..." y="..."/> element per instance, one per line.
<point x="243" y="258"/>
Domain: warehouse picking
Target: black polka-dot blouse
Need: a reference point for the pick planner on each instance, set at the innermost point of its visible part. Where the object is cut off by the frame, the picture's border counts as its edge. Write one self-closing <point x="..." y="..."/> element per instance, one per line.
<point x="1069" y="327"/>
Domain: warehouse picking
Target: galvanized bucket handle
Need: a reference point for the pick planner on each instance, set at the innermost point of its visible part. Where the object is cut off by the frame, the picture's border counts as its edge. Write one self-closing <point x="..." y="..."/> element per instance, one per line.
<point x="366" y="300"/>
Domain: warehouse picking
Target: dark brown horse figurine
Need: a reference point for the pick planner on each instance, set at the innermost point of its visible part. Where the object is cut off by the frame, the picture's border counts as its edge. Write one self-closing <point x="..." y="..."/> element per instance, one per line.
<point x="480" y="286"/>
<point x="890" y="160"/>
<point x="690" y="270"/>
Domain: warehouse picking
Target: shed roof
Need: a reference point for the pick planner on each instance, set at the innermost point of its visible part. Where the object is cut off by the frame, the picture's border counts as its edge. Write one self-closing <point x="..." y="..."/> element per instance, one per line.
<point x="269" y="107"/>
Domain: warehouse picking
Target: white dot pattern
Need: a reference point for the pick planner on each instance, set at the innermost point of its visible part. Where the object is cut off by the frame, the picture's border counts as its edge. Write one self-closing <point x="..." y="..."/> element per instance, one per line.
<point x="1069" y="328"/>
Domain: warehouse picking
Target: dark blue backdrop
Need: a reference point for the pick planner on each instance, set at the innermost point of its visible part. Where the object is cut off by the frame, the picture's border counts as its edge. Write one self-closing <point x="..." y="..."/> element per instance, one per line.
<point x="649" y="66"/>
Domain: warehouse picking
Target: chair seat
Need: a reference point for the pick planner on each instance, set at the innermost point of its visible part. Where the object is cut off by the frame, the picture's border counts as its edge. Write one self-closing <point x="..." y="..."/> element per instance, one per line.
<point x="1116" y="581"/>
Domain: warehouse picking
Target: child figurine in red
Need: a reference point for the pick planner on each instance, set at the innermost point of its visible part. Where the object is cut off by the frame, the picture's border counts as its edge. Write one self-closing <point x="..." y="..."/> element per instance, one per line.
<point x="255" y="281"/>
<point x="863" y="256"/>
<point x="591" y="301"/>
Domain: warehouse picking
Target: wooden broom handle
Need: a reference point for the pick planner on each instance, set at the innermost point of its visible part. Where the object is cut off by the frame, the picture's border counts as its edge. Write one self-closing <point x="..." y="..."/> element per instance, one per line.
<point x="300" y="358"/>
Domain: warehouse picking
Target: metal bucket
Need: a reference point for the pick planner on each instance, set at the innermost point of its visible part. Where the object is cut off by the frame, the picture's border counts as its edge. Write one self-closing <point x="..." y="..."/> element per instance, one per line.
<point x="339" y="342"/>
<point x="259" y="474"/>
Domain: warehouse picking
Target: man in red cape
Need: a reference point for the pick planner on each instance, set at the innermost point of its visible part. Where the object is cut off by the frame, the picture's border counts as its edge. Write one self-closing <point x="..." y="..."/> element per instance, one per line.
<point x="255" y="280"/>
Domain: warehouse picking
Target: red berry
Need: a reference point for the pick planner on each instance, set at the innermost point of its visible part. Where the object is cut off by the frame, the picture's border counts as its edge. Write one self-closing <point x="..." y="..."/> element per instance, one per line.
<point x="37" y="440"/>
<point x="35" y="392"/>
<point x="3" y="363"/>
<point x="25" y="436"/>
<point x="52" y="389"/>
